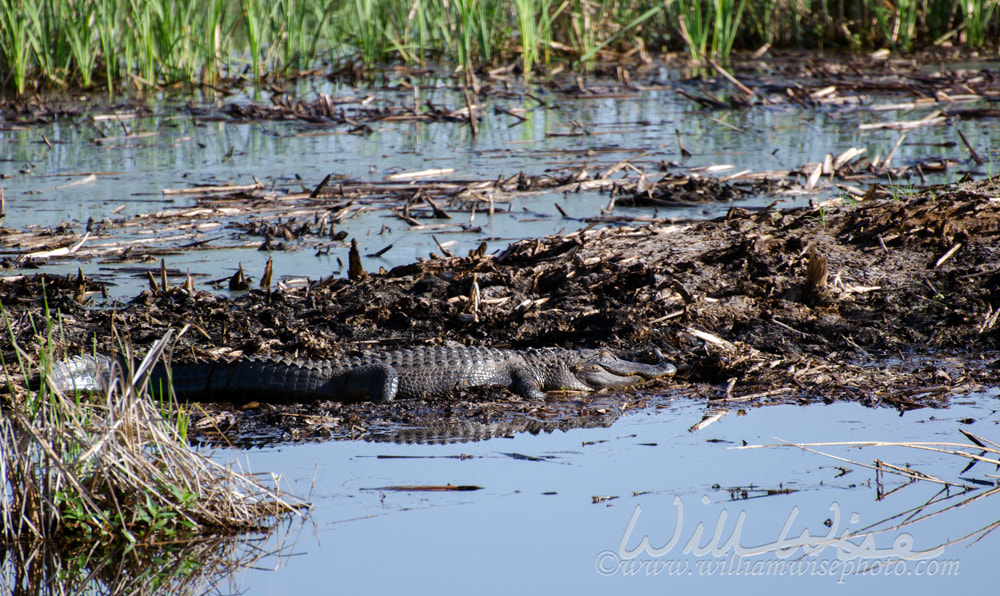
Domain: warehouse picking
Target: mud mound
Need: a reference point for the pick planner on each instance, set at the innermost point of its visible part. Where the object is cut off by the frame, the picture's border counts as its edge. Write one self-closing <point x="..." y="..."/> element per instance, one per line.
<point x="888" y="301"/>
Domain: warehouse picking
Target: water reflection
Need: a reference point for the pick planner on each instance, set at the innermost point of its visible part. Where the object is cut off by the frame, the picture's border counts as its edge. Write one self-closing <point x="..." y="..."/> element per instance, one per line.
<point x="202" y="144"/>
<point x="569" y="496"/>
<point x="207" y="565"/>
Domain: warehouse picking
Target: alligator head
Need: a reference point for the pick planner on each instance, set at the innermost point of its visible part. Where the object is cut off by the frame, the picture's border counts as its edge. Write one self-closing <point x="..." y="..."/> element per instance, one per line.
<point x="600" y="369"/>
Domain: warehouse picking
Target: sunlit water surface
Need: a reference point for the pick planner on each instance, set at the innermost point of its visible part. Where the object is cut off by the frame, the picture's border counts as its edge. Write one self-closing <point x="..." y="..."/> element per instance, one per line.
<point x="535" y="527"/>
<point x="190" y="149"/>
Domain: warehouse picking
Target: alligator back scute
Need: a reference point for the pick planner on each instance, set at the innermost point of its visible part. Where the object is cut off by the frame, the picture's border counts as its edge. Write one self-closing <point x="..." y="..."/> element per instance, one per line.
<point x="425" y="371"/>
<point x="246" y="380"/>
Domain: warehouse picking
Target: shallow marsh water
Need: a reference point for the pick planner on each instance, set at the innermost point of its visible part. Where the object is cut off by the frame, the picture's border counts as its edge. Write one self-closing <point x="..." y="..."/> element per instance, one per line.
<point x="534" y="526"/>
<point x="192" y="149"/>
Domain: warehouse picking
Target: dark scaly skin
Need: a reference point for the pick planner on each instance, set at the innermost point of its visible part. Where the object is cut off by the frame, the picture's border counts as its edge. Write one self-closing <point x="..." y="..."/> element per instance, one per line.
<point x="384" y="376"/>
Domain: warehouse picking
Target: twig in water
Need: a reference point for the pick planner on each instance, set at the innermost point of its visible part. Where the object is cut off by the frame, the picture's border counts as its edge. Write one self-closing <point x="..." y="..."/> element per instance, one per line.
<point x="380" y="252"/>
<point x="680" y="144"/>
<point x="975" y="156"/>
<point x="473" y="125"/>
<point x="747" y="90"/>
<point x="319" y="187"/>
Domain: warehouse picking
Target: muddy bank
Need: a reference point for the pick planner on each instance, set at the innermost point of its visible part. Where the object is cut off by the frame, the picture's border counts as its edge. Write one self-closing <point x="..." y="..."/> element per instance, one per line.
<point x="888" y="302"/>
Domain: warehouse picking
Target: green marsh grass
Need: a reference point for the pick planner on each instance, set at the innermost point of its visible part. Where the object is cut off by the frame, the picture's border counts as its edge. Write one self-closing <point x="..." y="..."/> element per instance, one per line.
<point x="897" y="23"/>
<point x="633" y="25"/>
<point x="131" y="44"/>
<point x="15" y="35"/>
<point x="709" y="29"/>
<point x="726" y="24"/>
<point x="979" y="16"/>
<point x="692" y="18"/>
<point x="532" y="32"/>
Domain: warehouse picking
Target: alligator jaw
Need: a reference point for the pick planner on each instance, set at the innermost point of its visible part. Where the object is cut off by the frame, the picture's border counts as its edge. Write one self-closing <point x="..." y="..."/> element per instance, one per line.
<point x="625" y="368"/>
<point x="607" y="370"/>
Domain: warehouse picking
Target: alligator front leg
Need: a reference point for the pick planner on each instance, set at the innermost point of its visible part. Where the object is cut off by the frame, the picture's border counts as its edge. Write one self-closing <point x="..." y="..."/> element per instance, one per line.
<point x="523" y="383"/>
<point x="375" y="382"/>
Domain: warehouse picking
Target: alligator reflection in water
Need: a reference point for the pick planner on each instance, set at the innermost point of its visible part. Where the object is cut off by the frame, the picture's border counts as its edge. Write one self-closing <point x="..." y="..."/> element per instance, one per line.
<point x="478" y="416"/>
<point x="469" y="431"/>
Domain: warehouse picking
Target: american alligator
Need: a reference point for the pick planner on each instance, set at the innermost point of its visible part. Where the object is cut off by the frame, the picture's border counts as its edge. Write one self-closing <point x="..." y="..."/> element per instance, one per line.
<point x="384" y="376"/>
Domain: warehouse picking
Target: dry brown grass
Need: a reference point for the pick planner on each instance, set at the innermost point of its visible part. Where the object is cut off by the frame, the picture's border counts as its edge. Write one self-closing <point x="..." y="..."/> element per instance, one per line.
<point x="113" y="469"/>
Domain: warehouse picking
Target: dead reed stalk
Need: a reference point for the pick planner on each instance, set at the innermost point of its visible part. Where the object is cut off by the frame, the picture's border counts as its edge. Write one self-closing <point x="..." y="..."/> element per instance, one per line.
<point x="113" y="468"/>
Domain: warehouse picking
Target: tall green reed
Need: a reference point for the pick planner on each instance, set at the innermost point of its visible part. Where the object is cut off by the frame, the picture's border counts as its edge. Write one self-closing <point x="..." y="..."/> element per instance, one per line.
<point x="978" y="16"/>
<point x="897" y="23"/>
<point x="527" y="24"/>
<point x="254" y="15"/>
<point x="108" y="33"/>
<point x="709" y="29"/>
<point x="15" y="33"/>
<point x="623" y="31"/>
<point x="368" y="34"/>
<point x="693" y="24"/>
<point x="210" y="55"/>
<point x="726" y="24"/>
<point x="49" y="52"/>
<point x="293" y="33"/>
<point x="62" y="43"/>
<point x="146" y="55"/>
<point x="906" y="28"/>
<point x="467" y="31"/>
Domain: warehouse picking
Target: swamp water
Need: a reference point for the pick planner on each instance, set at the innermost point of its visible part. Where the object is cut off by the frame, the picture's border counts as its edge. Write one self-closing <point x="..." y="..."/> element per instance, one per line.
<point x="554" y="509"/>
<point x="203" y="148"/>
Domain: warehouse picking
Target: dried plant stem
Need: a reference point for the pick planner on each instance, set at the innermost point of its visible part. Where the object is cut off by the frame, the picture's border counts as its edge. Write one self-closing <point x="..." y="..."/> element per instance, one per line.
<point x="114" y="468"/>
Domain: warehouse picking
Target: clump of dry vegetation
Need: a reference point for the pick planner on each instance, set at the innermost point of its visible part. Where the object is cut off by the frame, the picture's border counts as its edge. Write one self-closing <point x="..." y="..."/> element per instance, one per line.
<point x="116" y="470"/>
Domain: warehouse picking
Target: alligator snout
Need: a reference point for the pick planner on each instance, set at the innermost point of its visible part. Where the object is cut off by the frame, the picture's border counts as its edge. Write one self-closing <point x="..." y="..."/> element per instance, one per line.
<point x="607" y="370"/>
